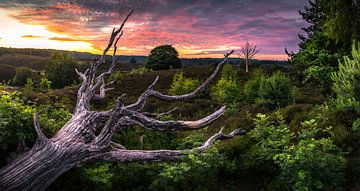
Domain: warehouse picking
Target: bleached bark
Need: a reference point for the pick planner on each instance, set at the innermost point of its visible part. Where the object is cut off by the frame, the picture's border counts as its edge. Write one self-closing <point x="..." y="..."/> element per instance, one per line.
<point x="77" y="141"/>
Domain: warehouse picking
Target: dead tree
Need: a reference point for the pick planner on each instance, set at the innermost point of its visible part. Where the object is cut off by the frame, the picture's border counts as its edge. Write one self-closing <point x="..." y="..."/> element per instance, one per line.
<point x="77" y="141"/>
<point x="247" y="52"/>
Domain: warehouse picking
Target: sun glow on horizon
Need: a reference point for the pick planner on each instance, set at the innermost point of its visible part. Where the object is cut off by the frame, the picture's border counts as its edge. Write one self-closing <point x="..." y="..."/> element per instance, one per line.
<point x="19" y="35"/>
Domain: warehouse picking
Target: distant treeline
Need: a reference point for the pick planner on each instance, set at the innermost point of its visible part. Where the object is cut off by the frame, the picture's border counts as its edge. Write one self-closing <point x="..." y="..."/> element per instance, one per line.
<point x="125" y="59"/>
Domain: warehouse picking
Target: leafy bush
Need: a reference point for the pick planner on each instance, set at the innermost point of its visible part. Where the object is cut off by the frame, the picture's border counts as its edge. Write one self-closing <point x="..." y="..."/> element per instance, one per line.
<point x="45" y="84"/>
<point x="347" y="81"/>
<point x="100" y="176"/>
<point x="140" y="71"/>
<point x="189" y="174"/>
<point x="52" y="119"/>
<point x="306" y="162"/>
<point x="116" y="77"/>
<point x="29" y="86"/>
<point x="182" y="85"/>
<point x="252" y="86"/>
<point x="22" y="74"/>
<point x="163" y="57"/>
<point x="16" y="122"/>
<point x="274" y="91"/>
<point x="61" y="70"/>
<point x="227" y="88"/>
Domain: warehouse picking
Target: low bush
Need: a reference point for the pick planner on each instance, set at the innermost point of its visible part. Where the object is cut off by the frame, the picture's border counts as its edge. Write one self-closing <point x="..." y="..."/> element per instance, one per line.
<point x="304" y="161"/>
<point x="45" y="84"/>
<point x="116" y="77"/>
<point x="182" y="85"/>
<point x="227" y="88"/>
<point x="274" y="91"/>
<point x="22" y="74"/>
<point x="140" y="71"/>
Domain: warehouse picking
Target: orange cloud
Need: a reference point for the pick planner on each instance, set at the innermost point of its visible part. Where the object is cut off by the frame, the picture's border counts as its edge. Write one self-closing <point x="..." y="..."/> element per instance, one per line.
<point x="31" y="36"/>
<point x="64" y="39"/>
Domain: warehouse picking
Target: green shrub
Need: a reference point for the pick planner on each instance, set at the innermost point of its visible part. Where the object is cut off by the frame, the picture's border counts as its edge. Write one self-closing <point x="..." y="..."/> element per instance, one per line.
<point x="45" y="84"/>
<point x="116" y="77"/>
<point x="22" y="74"/>
<point x="182" y="85"/>
<point x="140" y="71"/>
<point x="274" y="91"/>
<point x="251" y="87"/>
<point x="305" y="161"/>
<point x="60" y="70"/>
<point x="29" y="85"/>
<point x="227" y="88"/>
<point x="347" y="81"/>
<point x="52" y="119"/>
<point x="16" y="122"/>
<point x="312" y="164"/>
<point x="189" y="174"/>
<point x="99" y="175"/>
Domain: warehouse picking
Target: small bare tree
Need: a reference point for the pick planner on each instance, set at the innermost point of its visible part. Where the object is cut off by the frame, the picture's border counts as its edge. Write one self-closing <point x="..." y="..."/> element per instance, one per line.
<point x="78" y="141"/>
<point x="247" y="52"/>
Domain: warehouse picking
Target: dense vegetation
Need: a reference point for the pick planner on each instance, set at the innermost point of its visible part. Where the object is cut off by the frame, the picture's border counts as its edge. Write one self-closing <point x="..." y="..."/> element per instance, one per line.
<point x="303" y="125"/>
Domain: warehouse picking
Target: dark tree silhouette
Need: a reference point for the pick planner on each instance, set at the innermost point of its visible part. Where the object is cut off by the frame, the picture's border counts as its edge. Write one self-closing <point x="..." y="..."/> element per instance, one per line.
<point x="163" y="57"/>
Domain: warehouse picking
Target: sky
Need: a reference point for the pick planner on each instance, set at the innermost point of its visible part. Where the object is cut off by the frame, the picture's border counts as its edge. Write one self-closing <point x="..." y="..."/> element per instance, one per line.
<point x="196" y="28"/>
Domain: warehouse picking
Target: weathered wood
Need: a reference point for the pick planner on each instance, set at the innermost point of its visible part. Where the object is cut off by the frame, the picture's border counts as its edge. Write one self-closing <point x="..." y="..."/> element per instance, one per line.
<point x="77" y="141"/>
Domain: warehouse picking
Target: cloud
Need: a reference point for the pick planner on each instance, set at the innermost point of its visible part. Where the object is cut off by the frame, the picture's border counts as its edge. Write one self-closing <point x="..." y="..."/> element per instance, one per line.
<point x="31" y="36"/>
<point x="64" y="39"/>
<point x="271" y="24"/>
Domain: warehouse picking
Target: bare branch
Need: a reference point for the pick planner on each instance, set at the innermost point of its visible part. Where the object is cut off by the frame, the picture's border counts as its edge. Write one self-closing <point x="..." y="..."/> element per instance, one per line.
<point x="157" y="115"/>
<point x="114" y="34"/>
<point x="117" y="145"/>
<point x="103" y="90"/>
<point x="103" y="139"/>
<point x="140" y="103"/>
<point x="156" y="125"/>
<point x="40" y="134"/>
<point x="165" y="155"/>
<point x="150" y="92"/>
<point x="220" y="136"/>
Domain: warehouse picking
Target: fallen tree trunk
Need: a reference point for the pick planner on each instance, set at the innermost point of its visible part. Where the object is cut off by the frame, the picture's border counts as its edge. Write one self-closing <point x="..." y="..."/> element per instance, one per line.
<point x="77" y="141"/>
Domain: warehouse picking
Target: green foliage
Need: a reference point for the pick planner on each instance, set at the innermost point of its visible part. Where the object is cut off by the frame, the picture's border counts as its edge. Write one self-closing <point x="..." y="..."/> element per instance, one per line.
<point x="116" y="76"/>
<point x="227" y="88"/>
<point x="316" y="61"/>
<point x="45" y="84"/>
<point x="274" y="91"/>
<point x="100" y="176"/>
<point x="29" y="86"/>
<point x="356" y="125"/>
<point x="182" y="85"/>
<point x="252" y="86"/>
<point x="305" y="161"/>
<point x="140" y="71"/>
<point x="333" y="25"/>
<point x="342" y="21"/>
<point x="189" y="173"/>
<point x="312" y="164"/>
<point x="60" y="70"/>
<point x="16" y="122"/>
<point x="163" y="57"/>
<point x="347" y="81"/>
<point x="22" y="74"/>
<point x="52" y="119"/>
